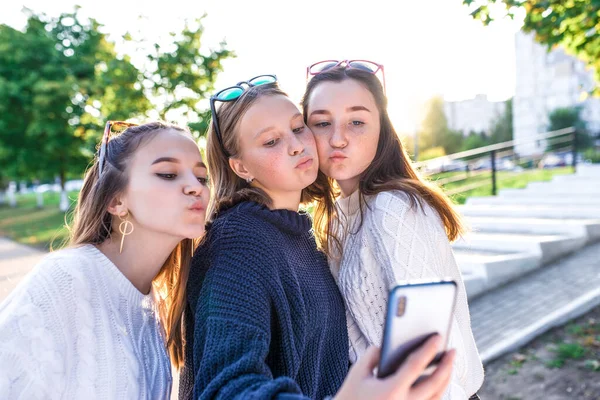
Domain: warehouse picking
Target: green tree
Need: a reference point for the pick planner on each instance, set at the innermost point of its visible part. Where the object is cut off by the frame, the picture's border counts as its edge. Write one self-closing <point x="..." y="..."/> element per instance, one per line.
<point x="475" y="140"/>
<point x="434" y="126"/>
<point x="453" y="141"/>
<point x="435" y="131"/>
<point x="573" y="24"/>
<point x="502" y="128"/>
<point x="561" y="118"/>
<point x="60" y="79"/>
<point x="181" y="75"/>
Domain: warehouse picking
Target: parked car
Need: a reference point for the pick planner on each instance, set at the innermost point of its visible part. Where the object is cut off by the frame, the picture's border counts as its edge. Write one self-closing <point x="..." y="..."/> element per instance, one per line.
<point x="443" y="164"/>
<point x="70" y="186"/>
<point x="554" y="160"/>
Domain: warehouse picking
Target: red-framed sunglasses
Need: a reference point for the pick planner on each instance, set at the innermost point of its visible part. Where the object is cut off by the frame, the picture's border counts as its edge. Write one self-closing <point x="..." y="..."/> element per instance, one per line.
<point x="364" y="65"/>
<point x="112" y="127"/>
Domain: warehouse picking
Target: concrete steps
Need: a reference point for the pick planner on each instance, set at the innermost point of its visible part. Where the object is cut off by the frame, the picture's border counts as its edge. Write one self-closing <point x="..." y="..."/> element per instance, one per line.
<point x="547" y="247"/>
<point x="536" y="199"/>
<point x="529" y="211"/>
<point x="485" y="270"/>
<point x="590" y="228"/>
<point x="522" y="230"/>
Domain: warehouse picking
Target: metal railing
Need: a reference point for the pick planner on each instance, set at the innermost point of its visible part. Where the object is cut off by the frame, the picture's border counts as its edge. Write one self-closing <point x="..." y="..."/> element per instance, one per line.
<point x="491" y="159"/>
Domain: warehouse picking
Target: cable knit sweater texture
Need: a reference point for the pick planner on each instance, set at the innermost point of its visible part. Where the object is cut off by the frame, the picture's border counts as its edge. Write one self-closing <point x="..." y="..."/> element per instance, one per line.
<point x="265" y="319"/>
<point x="76" y="328"/>
<point x="399" y="242"/>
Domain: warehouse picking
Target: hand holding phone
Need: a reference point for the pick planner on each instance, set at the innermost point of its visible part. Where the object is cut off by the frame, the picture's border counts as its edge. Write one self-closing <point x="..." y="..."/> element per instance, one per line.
<point x="415" y="312"/>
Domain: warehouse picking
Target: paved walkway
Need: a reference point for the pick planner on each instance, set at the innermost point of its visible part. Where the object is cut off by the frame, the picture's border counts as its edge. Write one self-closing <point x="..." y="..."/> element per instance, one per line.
<point x="512" y="315"/>
<point x="502" y="320"/>
<point x="15" y="262"/>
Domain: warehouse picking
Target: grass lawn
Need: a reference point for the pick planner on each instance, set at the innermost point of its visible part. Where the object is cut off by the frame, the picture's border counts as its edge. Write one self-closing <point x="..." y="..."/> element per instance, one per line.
<point x="504" y="180"/>
<point x="45" y="227"/>
<point x="33" y="226"/>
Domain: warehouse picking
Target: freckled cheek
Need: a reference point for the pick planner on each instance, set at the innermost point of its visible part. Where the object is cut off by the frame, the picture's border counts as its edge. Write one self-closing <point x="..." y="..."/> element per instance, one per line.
<point x="322" y="149"/>
<point x="270" y="166"/>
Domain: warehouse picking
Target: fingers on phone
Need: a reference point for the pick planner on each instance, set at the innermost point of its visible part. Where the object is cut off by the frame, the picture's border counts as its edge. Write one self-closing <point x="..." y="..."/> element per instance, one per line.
<point x="435" y="385"/>
<point x="416" y="363"/>
<point x="366" y="364"/>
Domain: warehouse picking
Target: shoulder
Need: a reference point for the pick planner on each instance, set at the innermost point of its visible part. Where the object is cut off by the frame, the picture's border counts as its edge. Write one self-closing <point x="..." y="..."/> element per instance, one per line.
<point x="75" y="266"/>
<point x="60" y="281"/>
<point x="396" y="206"/>
<point x="394" y="203"/>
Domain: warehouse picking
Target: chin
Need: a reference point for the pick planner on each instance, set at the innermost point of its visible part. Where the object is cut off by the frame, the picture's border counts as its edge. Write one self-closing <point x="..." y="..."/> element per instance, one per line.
<point x="194" y="232"/>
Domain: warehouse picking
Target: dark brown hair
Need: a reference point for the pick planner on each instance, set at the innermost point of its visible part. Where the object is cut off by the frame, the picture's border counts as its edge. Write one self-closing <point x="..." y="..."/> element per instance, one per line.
<point x="391" y="169"/>
<point x="92" y="224"/>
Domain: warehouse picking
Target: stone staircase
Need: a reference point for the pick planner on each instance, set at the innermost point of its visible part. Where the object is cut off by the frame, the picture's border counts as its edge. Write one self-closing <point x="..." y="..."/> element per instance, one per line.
<point x="521" y="230"/>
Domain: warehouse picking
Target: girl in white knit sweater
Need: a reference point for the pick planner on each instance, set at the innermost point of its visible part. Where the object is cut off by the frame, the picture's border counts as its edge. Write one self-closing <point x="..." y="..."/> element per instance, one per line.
<point x="94" y="320"/>
<point x="387" y="224"/>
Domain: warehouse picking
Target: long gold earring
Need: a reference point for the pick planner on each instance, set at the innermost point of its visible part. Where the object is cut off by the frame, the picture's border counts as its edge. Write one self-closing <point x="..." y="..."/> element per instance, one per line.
<point x="126" y="228"/>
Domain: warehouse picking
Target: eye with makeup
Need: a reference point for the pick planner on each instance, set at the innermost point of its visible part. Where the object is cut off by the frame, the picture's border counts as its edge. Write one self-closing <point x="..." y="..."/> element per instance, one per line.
<point x="170" y="177"/>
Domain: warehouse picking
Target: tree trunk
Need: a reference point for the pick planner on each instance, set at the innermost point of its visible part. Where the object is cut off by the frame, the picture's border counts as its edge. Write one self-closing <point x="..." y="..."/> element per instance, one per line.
<point x="64" y="199"/>
<point x="40" y="199"/>
<point x="12" y="198"/>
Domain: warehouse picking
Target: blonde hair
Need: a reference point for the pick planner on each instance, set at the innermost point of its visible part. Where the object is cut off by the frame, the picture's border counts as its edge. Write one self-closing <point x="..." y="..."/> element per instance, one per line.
<point x="92" y="224"/>
<point x="228" y="188"/>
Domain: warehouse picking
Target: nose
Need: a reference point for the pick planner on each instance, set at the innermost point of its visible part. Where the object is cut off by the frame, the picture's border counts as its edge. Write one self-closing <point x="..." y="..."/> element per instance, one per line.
<point x="338" y="137"/>
<point x="296" y="146"/>
<point x="192" y="186"/>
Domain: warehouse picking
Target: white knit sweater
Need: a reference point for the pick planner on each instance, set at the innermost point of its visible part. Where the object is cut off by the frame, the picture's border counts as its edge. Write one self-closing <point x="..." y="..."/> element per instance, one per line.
<point x="398" y="242"/>
<point x="76" y="328"/>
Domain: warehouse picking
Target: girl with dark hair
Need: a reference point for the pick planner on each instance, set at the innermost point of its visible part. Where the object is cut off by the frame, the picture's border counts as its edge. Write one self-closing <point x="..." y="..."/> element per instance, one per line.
<point x="378" y="221"/>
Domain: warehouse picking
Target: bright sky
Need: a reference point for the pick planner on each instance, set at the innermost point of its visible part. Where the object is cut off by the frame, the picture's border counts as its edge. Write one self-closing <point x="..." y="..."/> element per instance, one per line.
<point x="428" y="47"/>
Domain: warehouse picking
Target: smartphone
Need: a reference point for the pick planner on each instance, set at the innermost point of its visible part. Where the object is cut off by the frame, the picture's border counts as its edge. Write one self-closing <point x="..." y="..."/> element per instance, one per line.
<point x="415" y="312"/>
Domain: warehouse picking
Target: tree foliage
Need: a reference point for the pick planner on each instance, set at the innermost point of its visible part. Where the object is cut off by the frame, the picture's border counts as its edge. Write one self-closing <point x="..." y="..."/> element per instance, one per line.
<point x="572" y="24"/>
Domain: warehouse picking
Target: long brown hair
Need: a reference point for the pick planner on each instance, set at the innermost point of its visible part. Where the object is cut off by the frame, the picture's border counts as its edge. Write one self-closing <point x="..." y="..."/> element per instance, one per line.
<point x="228" y="188"/>
<point x="92" y="224"/>
<point x="391" y="169"/>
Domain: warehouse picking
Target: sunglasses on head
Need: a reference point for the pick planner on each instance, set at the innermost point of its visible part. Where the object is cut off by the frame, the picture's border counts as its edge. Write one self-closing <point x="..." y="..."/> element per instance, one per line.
<point x="233" y="93"/>
<point x="114" y="128"/>
<point x="364" y="65"/>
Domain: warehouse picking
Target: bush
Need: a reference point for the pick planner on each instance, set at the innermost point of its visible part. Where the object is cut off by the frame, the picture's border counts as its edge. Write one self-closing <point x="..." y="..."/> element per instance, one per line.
<point x="432" y="152"/>
<point x="592" y="155"/>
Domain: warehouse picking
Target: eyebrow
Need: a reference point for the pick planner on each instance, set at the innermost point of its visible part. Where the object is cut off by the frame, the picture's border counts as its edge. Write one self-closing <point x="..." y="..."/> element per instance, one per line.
<point x="176" y="161"/>
<point x="268" y="128"/>
<point x="349" y="109"/>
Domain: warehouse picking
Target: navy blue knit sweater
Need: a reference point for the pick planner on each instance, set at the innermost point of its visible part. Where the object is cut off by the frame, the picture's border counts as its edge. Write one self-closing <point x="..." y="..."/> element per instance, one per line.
<point x="265" y="318"/>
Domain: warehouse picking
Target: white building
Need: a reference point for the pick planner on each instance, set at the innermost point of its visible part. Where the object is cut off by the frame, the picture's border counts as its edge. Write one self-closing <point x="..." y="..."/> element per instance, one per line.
<point x="546" y="81"/>
<point x="476" y="114"/>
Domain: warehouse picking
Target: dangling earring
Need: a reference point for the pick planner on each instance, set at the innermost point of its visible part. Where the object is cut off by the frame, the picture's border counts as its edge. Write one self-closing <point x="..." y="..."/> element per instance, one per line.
<point x="126" y="228"/>
<point x="249" y="180"/>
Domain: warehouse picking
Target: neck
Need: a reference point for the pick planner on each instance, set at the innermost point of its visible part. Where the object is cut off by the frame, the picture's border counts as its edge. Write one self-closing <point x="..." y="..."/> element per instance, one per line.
<point x="143" y="256"/>
<point x="285" y="200"/>
<point x="348" y="186"/>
